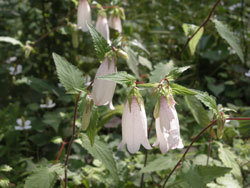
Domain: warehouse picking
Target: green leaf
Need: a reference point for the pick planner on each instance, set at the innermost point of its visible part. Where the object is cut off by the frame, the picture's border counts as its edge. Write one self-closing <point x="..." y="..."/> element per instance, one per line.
<point x="41" y="178"/>
<point x="132" y="61"/>
<point x="198" y="176"/>
<point x="53" y="119"/>
<point x="11" y="40"/>
<point x="160" y="163"/>
<point x="106" y="117"/>
<point x="208" y="100"/>
<point x="198" y="111"/>
<point x="137" y="44"/>
<point x="100" y="151"/>
<point x="181" y="90"/>
<point x="100" y="43"/>
<point x="92" y="128"/>
<point x="176" y="72"/>
<point x="229" y="160"/>
<point x="231" y="39"/>
<point x="189" y="29"/>
<point x="160" y="71"/>
<point x="145" y="62"/>
<point x="121" y="77"/>
<point x="70" y="76"/>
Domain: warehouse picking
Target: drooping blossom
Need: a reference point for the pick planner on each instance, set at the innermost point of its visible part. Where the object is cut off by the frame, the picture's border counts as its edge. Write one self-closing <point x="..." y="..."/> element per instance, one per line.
<point x="134" y="126"/>
<point x="15" y="70"/>
<point x="22" y="125"/>
<point x="49" y="104"/>
<point x="103" y="90"/>
<point x="115" y="23"/>
<point x="103" y="27"/>
<point x="83" y="15"/>
<point x="167" y="126"/>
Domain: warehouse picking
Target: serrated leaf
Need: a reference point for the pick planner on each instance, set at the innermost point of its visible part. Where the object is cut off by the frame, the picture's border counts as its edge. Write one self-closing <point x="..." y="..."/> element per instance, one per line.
<point x="198" y="111"/>
<point x="11" y="40"/>
<point x="121" y="77"/>
<point x="138" y="45"/>
<point x="181" y="90"/>
<point x="43" y="177"/>
<point x="189" y="29"/>
<point x="101" y="151"/>
<point x="70" y="76"/>
<point x="208" y="100"/>
<point x="176" y="72"/>
<point x="132" y="61"/>
<point x="160" y="71"/>
<point x="161" y="163"/>
<point x="145" y="62"/>
<point x="101" y="45"/>
<point x="92" y="128"/>
<point x="229" y="160"/>
<point x="231" y="39"/>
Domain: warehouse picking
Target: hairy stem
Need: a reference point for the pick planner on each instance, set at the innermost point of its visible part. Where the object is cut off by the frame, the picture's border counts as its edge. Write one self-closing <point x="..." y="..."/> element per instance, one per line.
<point x="71" y="140"/>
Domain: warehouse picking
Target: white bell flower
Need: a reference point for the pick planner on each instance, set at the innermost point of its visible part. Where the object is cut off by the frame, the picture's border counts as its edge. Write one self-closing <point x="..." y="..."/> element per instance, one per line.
<point x="83" y="15"/>
<point x="115" y="23"/>
<point x="103" y="90"/>
<point x="102" y="27"/>
<point x="167" y="126"/>
<point x="134" y="127"/>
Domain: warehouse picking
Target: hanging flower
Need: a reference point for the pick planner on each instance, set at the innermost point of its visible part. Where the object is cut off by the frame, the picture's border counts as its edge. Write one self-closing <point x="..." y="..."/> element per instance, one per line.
<point x="167" y="125"/>
<point x="83" y="15"/>
<point x="103" y="90"/>
<point x="115" y="23"/>
<point x="102" y="26"/>
<point x="134" y="126"/>
<point x="22" y="124"/>
<point x="49" y="104"/>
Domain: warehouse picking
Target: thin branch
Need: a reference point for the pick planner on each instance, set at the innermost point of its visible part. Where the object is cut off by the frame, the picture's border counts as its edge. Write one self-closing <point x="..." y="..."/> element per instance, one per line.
<point x="146" y="153"/>
<point x="71" y="140"/>
<point x="60" y="151"/>
<point x="196" y="138"/>
<point x="209" y="146"/>
<point x="202" y="25"/>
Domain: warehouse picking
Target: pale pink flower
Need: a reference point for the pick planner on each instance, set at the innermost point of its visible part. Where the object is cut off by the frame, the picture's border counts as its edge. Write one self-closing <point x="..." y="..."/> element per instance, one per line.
<point x="167" y="126"/>
<point x="103" y="90"/>
<point x="134" y="127"/>
<point x="83" y="15"/>
<point x="115" y="23"/>
<point x="102" y="27"/>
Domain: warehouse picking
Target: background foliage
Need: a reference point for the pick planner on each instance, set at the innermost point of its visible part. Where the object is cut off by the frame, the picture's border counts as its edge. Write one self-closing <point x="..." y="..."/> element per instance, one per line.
<point x="155" y="35"/>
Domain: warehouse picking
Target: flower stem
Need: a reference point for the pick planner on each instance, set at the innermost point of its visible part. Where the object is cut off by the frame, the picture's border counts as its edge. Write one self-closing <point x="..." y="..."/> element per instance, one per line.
<point x="71" y="141"/>
<point x="196" y="138"/>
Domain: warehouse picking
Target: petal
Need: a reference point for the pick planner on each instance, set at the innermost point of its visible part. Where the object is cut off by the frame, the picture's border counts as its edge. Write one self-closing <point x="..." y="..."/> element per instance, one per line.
<point x="18" y="128"/>
<point x="83" y="15"/>
<point x="162" y="137"/>
<point x="115" y="23"/>
<point x="19" y="121"/>
<point x="27" y="123"/>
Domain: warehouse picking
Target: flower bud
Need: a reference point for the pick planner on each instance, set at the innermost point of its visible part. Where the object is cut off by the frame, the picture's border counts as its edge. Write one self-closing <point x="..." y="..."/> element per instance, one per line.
<point x="87" y="113"/>
<point x="83" y="15"/>
<point x="103" y="90"/>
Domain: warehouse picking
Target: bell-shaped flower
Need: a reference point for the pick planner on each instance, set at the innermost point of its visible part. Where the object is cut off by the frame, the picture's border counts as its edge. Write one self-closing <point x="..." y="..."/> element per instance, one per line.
<point x="103" y="27"/>
<point x="83" y="15"/>
<point x="167" y="125"/>
<point x="134" y="126"/>
<point x="115" y="23"/>
<point x="103" y="90"/>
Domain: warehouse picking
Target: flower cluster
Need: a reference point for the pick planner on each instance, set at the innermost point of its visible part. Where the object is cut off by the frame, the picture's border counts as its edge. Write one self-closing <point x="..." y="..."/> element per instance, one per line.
<point x="102" y="23"/>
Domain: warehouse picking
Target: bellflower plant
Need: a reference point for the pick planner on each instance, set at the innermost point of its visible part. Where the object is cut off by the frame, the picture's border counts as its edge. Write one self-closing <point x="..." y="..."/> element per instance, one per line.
<point x="103" y="90"/>
<point x="115" y="23"/>
<point x="134" y="125"/>
<point x="83" y="15"/>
